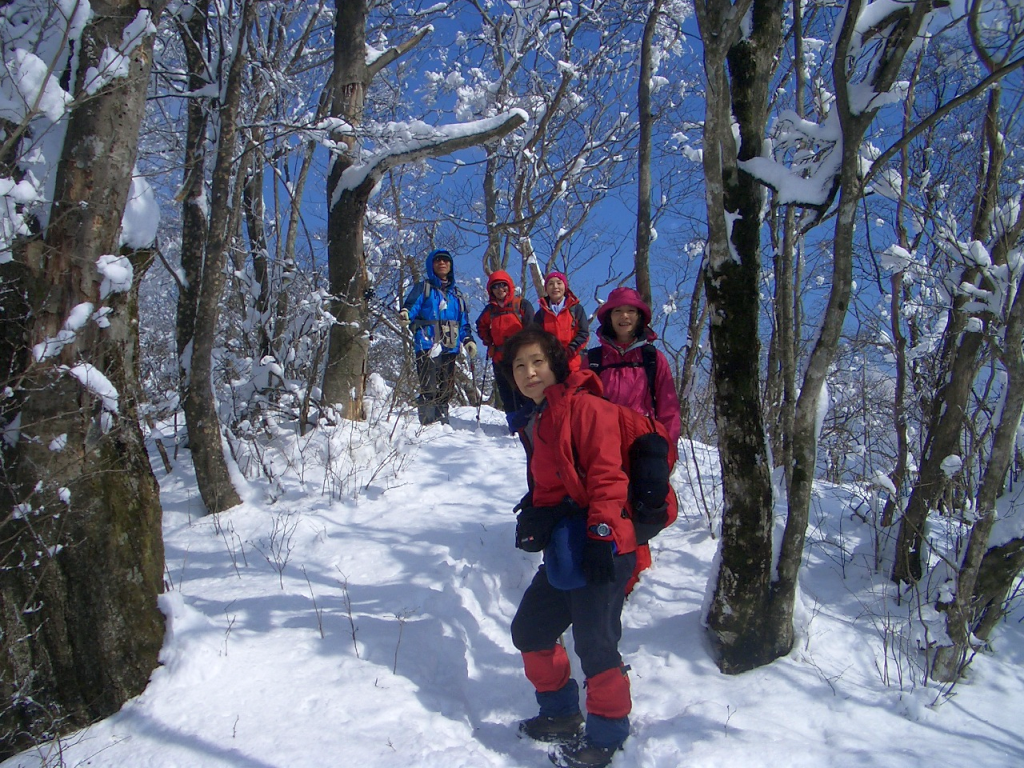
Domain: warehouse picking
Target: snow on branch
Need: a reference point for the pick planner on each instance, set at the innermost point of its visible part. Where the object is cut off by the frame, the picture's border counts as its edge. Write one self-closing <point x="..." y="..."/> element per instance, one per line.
<point x="992" y="286"/>
<point x="99" y="385"/>
<point x="804" y="159"/>
<point x="377" y="60"/>
<point x="77" y="318"/>
<point x="113" y="63"/>
<point x="409" y="142"/>
<point x="815" y="153"/>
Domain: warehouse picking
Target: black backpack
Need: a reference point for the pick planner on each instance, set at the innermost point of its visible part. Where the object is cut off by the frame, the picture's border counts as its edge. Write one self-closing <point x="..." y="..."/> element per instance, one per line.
<point x="649" y="363"/>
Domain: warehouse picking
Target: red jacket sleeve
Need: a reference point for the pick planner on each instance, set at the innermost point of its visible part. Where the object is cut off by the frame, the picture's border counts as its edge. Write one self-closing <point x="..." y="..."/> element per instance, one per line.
<point x="596" y="439"/>
<point x="483" y="326"/>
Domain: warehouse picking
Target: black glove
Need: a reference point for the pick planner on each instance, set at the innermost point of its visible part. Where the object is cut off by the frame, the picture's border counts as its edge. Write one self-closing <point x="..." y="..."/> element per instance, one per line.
<point x="648" y="522"/>
<point x="598" y="561"/>
<point x="649" y="477"/>
<point x="526" y="501"/>
<point x="646" y="531"/>
<point x="534" y="526"/>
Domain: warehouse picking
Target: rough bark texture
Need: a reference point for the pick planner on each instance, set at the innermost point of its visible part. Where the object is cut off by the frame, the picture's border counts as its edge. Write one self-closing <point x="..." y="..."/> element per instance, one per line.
<point x="80" y="533"/>
<point x="1000" y="568"/>
<point x="199" y="402"/>
<point x="647" y="118"/>
<point x="346" y="353"/>
<point x="738" y="611"/>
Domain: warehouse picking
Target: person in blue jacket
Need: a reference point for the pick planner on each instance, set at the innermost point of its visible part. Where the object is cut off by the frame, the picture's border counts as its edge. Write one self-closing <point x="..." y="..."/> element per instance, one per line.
<point x="436" y="312"/>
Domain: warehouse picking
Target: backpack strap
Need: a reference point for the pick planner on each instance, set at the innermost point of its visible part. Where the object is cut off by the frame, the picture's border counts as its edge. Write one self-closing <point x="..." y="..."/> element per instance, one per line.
<point x="520" y="308"/>
<point x="463" y="307"/>
<point x="426" y="288"/>
<point x="595" y="359"/>
<point x="650" y="356"/>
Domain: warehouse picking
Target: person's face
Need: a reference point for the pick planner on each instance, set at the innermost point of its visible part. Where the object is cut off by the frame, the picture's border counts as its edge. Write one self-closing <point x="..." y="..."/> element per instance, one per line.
<point x="625" y="321"/>
<point x="499" y="291"/>
<point x="555" y="289"/>
<point x="532" y="372"/>
<point x="442" y="267"/>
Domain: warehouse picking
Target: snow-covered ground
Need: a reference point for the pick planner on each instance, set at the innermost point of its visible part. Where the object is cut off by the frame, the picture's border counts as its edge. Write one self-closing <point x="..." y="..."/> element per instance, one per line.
<point x="321" y="623"/>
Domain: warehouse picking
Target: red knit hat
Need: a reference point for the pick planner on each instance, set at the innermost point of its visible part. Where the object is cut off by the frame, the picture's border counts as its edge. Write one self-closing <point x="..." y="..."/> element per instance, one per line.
<point x="560" y="275"/>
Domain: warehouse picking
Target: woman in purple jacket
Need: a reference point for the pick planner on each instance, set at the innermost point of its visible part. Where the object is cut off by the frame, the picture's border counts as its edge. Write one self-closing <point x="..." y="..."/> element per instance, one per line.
<point x="633" y="372"/>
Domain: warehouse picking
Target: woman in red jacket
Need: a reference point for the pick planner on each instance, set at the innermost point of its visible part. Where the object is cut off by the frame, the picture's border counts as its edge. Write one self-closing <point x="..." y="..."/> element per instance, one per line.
<point x="504" y="315"/>
<point x="562" y="315"/>
<point x="575" y="514"/>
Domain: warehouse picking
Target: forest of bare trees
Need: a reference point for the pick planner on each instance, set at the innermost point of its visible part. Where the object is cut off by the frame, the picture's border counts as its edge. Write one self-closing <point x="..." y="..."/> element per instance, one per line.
<point x="211" y="209"/>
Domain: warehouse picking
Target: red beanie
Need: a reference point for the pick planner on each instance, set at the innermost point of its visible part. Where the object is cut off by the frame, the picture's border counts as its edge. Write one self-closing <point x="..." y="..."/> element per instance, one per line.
<point x="560" y="275"/>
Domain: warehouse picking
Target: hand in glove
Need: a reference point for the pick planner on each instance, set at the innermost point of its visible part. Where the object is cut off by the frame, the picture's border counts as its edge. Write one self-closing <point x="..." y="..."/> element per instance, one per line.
<point x="598" y="561"/>
<point x="534" y="526"/>
<point x="646" y="531"/>
<point x="403" y="318"/>
<point x="470" y="348"/>
<point x="526" y="501"/>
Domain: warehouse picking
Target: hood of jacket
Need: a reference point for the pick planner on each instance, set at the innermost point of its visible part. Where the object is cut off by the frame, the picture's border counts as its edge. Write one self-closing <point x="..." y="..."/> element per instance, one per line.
<point x="501" y="276"/>
<point x="429" y="268"/>
<point x="584" y="379"/>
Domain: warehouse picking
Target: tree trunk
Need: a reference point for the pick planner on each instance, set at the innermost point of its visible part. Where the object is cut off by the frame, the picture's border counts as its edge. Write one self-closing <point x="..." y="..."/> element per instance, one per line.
<point x="81" y="553"/>
<point x="252" y="195"/>
<point x="206" y="441"/>
<point x="781" y="390"/>
<point x="345" y="371"/>
<point x="962" y="610"/>
<point x="646" y="117"/>
<point x="193" y="187"/>
<point x="998" y="573"/>
<point x="961" y="347"/>
<point x="696" y="319"/>
<point x="785" y="339"/>
<point x="738" y="610"/>
<point x="898" y="475"/>
<point x="898" y="33"/>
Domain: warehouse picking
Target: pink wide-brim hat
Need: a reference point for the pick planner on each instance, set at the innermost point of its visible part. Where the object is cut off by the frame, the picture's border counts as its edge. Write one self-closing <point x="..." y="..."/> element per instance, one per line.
<point x="624" y="297"/>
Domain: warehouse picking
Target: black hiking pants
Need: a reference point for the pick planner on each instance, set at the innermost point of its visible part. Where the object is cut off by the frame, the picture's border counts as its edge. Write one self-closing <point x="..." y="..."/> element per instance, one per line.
<point x="594" y="611"/>
<point x="437" y="385"/>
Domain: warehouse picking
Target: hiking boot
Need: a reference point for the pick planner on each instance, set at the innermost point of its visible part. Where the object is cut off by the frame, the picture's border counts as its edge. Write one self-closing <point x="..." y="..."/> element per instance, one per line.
<point x="581" y="753"/>
<point x="552" y="729"/>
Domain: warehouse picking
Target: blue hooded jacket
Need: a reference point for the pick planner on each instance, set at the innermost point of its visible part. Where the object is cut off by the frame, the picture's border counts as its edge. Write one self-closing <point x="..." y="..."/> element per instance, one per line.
<point x="432" y="304"/>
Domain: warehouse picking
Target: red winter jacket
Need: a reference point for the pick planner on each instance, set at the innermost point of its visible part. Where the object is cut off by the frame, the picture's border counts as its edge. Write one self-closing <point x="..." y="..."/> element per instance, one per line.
<point x="630" y="387"/>
<point x="500" y="321"/>
<point x="570" y="326"/>
<point x="575" y="451"/>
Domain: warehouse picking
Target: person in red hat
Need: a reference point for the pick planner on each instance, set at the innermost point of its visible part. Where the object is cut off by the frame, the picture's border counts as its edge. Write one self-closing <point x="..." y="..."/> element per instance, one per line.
<point x="504" y="315"/>
<point x="634" y="373"/>
<point x="562" y="315"/>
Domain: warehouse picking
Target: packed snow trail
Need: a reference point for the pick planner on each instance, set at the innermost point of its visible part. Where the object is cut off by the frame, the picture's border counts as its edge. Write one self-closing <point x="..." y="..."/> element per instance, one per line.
<point x="361" y="618"/>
